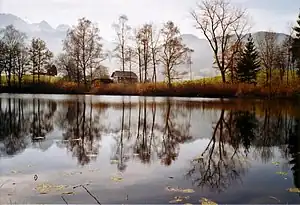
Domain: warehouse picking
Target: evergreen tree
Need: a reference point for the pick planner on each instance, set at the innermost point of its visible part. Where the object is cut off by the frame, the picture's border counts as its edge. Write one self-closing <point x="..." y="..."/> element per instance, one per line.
<point x="249" y="65"/>
<point x="296" y="46"/>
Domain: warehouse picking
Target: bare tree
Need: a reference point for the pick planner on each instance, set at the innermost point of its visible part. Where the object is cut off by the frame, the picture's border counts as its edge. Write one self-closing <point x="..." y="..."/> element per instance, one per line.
<point x="288" y="43"/>
<point x="155" y="49"/>
<point x="123" y="33"/>
<point x="12" y="40"/>
<point x="190" y="62"/>
<point x="138" y="53"/>
<point x="173" y="51"/>
<point x="22" y="62"/>
<point x="144" y="38"/>
<point x="40" y="56"/>
<point x="268" y="47"/>
<point x="3" y="58"/>
<point x="67" y="67"/>
<point x="223" y="25"/>
<point x="84" y="46"/>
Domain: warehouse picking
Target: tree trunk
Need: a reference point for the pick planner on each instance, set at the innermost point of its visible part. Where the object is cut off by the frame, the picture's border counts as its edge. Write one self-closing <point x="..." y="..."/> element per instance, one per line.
<point x="84" y="75"/>
<point x="9" y="71"/>
<point x="140" y="64"/>
<point x="169" y="77"/>
<point x="223" y="74"/>
<point x="154" y="78"/>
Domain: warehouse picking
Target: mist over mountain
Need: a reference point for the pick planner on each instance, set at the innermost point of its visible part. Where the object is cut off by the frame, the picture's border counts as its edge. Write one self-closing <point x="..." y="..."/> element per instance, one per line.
<point x="202" y="57"/>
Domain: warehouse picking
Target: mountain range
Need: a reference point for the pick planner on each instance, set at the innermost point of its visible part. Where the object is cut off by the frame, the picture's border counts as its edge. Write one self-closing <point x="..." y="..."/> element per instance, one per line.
<point x="202" y="57"/>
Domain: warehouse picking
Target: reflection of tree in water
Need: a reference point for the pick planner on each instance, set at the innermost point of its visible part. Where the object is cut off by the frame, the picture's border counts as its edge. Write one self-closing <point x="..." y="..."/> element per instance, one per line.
<point x="173" y="134"/>
<point x="12" y="127"/>
<point x="222" y="162"/>
<point x="81" y="132"/>
<point x="145" y="138"/>
<point x="294" y="150"/>
<point x="154" y="135"/>
<point x="41" y="121"/>
<point x="20" y="120"/>
<point x="120" y="149"/>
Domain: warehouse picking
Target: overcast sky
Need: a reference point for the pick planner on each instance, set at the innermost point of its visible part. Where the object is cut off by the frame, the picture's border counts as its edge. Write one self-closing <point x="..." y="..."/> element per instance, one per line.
<point x="266" y="14"/>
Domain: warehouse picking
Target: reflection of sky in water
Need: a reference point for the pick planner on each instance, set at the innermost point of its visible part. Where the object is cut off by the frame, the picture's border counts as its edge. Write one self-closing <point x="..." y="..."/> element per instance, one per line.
<point x="143" y="183"/>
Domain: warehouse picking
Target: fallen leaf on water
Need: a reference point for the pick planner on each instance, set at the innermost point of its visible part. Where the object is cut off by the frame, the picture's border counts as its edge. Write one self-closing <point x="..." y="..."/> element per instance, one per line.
<point x="116" y="178"/>
<point x="282" y="173"/>
<point x="188" y="191"/>
<point x="294" y="190"/>
<point x="205" y="201"/>
<point x="179" y="190"/>
<point x="114" y="161"/>
<point x="198" y="158"/>
<point x="69" y="193"/>
<point x="178" y="199"/>
<point x="45" y="188"/>
<point x="72" y="173"/>
<point x="94" y="170"/>
<point x="276" y="163"/>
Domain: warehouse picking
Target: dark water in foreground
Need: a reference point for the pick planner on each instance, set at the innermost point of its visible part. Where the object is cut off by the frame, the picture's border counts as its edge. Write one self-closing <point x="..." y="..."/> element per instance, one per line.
<point x="128" y="150"/>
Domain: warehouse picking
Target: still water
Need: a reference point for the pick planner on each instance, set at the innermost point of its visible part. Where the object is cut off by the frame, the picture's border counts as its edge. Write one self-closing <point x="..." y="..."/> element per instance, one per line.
<point x="124" y="150"/>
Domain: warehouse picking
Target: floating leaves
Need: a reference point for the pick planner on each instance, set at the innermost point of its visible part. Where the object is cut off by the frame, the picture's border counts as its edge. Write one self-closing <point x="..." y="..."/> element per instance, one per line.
<point x="114" y="161"/>
<point x="205" y="201"/>
<point x="186" y="191"/>
<point x="45" y="188"/>
<point x="198" y="158"/>
<point x="294" y="190"/>
<point x="94" y="170"/>
<point x="72" y="173"/>
<point x="117" y="178"/>
<point x="282" y="173"/>
<point x="178" y="199"/>
<point x="276" y="163"/>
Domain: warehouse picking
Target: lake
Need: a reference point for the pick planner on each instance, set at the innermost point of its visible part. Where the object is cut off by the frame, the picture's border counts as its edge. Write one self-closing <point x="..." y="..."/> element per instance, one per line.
<point x="57" y="149"/>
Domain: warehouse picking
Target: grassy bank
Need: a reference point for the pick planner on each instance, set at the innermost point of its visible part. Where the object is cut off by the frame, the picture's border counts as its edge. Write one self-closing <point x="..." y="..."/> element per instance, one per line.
<point x="180" y="89"/>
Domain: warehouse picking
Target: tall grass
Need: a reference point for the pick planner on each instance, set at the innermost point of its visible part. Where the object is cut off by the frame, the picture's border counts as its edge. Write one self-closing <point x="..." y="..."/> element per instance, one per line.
<point x="198" y="88"/>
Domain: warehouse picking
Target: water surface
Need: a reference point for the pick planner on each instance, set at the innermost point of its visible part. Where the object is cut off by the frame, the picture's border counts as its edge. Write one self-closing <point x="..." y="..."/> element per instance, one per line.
<point x="127" y="150"/>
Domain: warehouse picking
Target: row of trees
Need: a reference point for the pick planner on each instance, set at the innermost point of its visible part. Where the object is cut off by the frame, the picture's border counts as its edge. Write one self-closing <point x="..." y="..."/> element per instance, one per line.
<point x="147" y="48"/>
<point x="18" y="57"/>
<point x="144" y="48"/>
<point x="226" y="26"/>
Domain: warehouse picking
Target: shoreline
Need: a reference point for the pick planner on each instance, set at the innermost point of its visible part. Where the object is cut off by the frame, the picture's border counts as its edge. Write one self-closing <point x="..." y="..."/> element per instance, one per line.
<point x="191" y="91"/>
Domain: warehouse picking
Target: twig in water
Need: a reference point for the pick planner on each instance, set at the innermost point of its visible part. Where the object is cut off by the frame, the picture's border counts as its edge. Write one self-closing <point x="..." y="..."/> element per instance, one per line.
<point x="272" y="197"/>
<point x="64" y="199"/>
<point x="4" y="183"/>
<point x="98" y="202"/>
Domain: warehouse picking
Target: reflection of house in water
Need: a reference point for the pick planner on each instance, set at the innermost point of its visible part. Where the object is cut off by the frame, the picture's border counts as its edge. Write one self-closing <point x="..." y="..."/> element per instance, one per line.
<point x="124" y="77"/>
